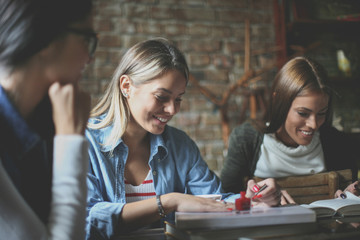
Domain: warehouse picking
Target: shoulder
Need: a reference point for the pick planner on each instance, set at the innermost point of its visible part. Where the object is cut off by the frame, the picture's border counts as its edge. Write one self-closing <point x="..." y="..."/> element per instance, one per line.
<point x="98" y="135"/>
<point x="247" y="129"/>
<point x="331" y="134"/>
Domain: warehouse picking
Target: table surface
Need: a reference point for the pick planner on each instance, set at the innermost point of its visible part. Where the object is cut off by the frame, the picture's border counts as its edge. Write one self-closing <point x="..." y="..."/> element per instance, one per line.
<point x="345" y="228"/>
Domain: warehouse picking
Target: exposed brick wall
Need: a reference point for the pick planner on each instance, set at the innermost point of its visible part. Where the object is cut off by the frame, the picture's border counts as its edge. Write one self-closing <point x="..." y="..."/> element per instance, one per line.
<point x="211" y="35"/>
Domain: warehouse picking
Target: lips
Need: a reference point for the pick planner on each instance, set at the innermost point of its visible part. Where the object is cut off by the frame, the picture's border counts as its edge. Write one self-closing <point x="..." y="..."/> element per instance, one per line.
<point x="163" y="120"/>
<point x="307" y="133"/>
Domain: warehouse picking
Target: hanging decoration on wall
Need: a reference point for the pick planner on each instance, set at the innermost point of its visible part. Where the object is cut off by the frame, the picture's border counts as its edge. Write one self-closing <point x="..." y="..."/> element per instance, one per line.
<point x="250" y="76"/>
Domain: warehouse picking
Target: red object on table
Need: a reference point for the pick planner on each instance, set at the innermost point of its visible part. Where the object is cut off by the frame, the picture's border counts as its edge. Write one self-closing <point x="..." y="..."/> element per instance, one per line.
<point x="242" y="203"/>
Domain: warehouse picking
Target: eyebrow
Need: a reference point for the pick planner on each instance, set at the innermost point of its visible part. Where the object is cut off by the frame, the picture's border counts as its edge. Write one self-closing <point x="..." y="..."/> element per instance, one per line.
<point x="304" y="108"/>
<point x="168" y="91"/>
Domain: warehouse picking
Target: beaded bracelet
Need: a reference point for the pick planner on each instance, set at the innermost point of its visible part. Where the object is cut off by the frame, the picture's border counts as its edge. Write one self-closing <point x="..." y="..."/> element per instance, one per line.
<point x="160" y="207"/>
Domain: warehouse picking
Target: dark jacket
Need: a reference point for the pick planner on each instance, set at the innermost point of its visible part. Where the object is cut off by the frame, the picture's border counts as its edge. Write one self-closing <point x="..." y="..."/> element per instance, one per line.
<point x="340" y="152"/>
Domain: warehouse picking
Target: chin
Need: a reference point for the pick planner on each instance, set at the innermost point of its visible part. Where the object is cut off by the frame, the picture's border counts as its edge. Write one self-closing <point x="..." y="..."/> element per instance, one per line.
<point x="304" y="143"/>
<point x="157" y="131"/>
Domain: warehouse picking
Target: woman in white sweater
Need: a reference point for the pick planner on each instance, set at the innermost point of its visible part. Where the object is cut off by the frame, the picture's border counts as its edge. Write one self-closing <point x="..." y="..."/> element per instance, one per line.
<point x="44" y="47"/>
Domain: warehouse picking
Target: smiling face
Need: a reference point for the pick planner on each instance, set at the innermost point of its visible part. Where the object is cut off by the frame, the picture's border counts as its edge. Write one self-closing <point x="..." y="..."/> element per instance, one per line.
<point x="306" y="115"/>
<point x="154" y="103"/>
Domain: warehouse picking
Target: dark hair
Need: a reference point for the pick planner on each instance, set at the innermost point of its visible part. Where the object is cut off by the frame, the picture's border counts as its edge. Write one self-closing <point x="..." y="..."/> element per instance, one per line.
<point x="297" y="77"/>
<point x="28" y="26"/>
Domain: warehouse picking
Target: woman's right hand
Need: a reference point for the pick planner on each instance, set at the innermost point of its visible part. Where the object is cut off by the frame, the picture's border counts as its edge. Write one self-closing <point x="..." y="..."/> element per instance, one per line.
<point x="71" y="108"/>
<point x="270" y="196"/>
<point x="189" y="203"/>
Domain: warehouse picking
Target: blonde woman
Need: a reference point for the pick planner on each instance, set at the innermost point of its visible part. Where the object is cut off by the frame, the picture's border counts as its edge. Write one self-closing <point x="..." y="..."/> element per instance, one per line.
<point x="141" y="169"/>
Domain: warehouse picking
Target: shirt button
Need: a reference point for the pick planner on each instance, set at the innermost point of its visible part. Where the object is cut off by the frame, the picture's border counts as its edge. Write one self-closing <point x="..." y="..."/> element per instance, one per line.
<point x="154" y="173"/>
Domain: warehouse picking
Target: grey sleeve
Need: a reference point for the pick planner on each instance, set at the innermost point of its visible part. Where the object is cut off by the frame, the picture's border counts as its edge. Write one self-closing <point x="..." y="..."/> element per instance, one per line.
<point x="238" y="161"/>
<point x="67" y="217"/>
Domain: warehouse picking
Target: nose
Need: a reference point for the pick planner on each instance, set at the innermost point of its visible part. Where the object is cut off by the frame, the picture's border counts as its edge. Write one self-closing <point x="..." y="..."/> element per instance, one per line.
<point x="171" y="107"/>
<point x="312" y="122"/>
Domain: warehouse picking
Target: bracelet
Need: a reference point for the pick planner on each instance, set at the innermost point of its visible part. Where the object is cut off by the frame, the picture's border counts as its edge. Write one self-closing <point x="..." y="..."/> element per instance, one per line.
<point x="160" y="207"/>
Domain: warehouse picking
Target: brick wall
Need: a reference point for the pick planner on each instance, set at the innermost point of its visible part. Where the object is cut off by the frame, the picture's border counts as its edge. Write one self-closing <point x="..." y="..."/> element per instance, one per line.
<point x="211" y="35"/>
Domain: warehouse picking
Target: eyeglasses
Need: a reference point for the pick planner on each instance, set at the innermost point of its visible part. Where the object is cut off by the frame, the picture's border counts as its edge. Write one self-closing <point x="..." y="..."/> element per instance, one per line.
<point x="91" y="37"/>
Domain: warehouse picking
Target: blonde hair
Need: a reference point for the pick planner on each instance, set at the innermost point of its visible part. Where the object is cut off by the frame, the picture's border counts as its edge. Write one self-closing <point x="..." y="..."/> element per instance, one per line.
<point x="143" y="62"/>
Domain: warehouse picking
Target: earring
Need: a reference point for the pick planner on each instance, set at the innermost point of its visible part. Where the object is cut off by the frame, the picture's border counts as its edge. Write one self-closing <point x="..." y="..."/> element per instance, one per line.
<point x="125" y="94"/>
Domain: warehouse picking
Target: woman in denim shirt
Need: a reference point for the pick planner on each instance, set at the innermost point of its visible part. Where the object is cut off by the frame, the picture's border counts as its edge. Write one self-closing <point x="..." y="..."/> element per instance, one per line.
<point x="130" y="141"/>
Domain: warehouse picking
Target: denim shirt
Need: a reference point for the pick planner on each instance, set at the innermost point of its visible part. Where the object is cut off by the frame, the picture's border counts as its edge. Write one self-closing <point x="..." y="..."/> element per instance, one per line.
<point x="176" y="166"/>
<point x="26" y="155"/>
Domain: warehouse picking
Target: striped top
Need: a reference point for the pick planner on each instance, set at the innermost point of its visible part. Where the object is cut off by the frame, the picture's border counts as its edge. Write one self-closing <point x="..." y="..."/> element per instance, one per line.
<point x="144" y="191"/>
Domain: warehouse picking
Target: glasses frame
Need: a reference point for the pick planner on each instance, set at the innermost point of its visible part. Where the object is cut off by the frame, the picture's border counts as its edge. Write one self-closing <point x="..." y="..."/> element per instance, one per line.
<point x="91" y="36"/>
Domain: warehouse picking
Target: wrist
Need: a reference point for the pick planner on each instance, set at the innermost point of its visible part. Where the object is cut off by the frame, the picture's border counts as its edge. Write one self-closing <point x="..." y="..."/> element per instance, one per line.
<point x="168" y="202"/>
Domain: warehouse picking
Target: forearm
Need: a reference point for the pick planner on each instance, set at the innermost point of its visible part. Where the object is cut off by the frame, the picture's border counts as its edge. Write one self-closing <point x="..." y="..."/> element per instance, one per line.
<point x="142" y="213"/>
<point x="67" y="218"/>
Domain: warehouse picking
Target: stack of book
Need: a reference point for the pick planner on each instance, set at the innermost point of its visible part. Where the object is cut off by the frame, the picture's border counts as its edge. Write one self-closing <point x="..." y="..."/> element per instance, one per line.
<point x="254" y="223"/>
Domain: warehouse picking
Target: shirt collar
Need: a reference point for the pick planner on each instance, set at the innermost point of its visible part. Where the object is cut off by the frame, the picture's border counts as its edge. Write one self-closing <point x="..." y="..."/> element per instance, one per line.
<point x="13" y="123"/>
<point x="157" y="142"/>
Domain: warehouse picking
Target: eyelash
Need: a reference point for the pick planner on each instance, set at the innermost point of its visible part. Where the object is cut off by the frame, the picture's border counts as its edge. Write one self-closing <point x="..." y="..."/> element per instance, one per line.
<point x="303" y="114"/>
<point x="164" y="99"/>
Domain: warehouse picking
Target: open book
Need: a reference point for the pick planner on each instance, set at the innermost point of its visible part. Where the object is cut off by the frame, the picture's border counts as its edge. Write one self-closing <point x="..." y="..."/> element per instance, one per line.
<point x="337" y="207"/>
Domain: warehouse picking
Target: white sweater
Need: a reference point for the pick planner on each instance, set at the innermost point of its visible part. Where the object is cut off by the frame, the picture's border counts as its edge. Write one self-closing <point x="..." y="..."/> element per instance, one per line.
<point x="67" y="216"/>
<point x="278" y="160"/>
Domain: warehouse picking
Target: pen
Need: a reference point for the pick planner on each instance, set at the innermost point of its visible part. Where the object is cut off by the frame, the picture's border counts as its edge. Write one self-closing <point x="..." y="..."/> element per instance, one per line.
<point x="261" y="189"/>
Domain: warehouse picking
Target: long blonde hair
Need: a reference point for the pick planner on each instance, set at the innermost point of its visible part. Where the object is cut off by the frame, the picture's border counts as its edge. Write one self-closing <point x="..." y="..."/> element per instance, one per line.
<point x="143" y="62"/>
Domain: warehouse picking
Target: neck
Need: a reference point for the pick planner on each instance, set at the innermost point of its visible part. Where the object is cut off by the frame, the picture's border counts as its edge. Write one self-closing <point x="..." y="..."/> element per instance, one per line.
<point x="135" y="136"/>
<point x="284" y="137"/>
<point x="24" y="89"/>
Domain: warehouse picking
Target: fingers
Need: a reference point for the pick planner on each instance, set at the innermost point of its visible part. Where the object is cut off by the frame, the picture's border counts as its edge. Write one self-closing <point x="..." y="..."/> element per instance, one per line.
<point x="339" y="194"/>
<point x="190" y="203"/>
<point x="71" y="108"/>
<point x="286" y="198"/>
<point x="353" y="188"/>
<point x="252" y="188"/>
<point x="270" y="196"/>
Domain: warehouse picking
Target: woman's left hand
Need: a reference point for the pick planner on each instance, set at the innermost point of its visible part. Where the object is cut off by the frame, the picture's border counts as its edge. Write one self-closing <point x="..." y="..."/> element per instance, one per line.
<point x="269" y="196"/>
<point x="353" y="188"/>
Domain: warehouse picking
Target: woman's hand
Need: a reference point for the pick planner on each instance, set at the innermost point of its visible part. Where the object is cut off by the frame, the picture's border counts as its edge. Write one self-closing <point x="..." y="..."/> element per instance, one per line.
<point x="190" y="203"/>
<point x="71" y="108"/>
<point x="353" y="188"/>
<point x="286" y="198"/>
<point x="142" y="213"/>
<point x="270" y="196"/>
